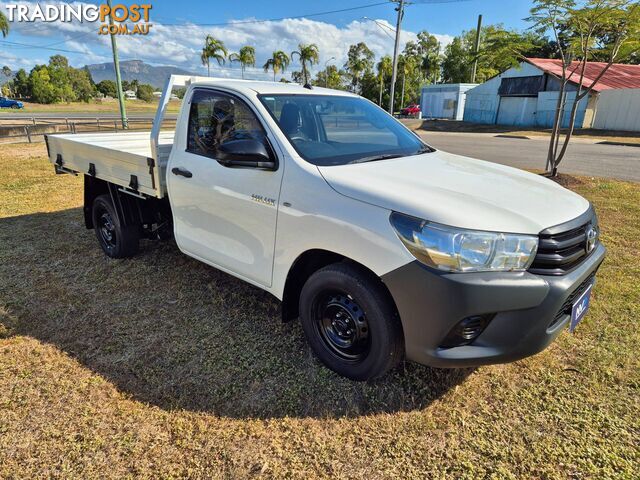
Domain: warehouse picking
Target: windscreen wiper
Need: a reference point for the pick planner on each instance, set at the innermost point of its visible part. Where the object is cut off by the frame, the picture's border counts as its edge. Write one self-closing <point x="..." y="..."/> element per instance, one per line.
<point x="374" y="158"/>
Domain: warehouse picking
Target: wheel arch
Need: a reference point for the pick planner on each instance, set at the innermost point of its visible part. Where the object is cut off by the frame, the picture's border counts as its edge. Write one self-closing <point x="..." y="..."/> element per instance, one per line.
<point x="308" y="263"/>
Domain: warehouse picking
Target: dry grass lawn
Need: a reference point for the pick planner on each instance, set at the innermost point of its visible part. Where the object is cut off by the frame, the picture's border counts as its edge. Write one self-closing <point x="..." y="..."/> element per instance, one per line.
<point x="96" y="106"/>
<point x="161" y="367"/>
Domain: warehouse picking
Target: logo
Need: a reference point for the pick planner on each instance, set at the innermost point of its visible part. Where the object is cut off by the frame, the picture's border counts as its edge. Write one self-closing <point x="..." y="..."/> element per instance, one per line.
<point x="136" y="14"/>
<point x="264" y="200"/>
<point x="592" y="237"/>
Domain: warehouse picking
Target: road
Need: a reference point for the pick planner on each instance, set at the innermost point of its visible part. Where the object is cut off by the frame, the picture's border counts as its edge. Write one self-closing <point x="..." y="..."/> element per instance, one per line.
<point x="584" y="157"/>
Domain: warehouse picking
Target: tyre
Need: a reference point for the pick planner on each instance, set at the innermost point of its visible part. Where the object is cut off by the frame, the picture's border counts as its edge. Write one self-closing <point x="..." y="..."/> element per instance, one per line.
<point x="116" y="240"/>
<point x="350" y="322"/>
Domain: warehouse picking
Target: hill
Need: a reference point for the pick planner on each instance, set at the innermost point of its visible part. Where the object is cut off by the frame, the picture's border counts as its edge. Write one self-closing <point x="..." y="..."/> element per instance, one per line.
<point x="135" y="70"/>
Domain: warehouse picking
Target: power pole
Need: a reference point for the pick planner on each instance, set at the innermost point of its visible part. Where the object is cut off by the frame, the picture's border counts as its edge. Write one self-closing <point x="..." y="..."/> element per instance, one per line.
<point x="116" y="65"/>
<point x="476" y="49"/>
<point x="394" y="71"/>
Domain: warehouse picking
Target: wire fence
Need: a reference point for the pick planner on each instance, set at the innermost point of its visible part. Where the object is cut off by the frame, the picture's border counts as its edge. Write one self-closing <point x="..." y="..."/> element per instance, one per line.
<point x="37" y="128"/>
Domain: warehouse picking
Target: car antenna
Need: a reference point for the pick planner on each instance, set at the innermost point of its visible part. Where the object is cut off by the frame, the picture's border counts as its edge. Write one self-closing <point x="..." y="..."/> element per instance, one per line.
<point x="308" y="86"/>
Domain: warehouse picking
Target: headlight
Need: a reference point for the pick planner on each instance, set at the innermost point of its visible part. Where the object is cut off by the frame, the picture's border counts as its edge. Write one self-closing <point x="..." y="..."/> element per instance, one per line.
<point x="455" y="250"/>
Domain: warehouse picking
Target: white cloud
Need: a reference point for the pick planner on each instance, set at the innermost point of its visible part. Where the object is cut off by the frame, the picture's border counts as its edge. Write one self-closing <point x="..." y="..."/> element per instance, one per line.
<point x="181" y="45"/>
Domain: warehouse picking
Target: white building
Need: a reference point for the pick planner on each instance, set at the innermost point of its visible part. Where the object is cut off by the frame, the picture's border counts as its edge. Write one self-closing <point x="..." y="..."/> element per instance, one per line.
<point x="527" y="95"/>
<point x="444" y="100"/>
<point x="130" y="95"/>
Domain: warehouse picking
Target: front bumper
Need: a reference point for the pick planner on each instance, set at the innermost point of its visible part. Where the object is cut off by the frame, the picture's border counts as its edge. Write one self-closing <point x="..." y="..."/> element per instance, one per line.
<point x="526" y="309"/>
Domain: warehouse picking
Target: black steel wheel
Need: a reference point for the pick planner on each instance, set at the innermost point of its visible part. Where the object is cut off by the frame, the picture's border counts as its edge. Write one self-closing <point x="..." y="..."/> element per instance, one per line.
<point x="116" y="240"/>
<point x="351" y="322"/>
<point x="342" y="325"/>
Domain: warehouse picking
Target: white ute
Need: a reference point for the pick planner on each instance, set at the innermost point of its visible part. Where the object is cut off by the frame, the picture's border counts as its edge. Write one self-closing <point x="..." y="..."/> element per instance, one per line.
<point x="383" y="247"/>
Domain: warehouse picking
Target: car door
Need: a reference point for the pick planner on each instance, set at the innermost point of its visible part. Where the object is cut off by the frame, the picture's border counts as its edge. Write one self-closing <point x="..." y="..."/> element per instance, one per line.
<point x="223" y="216"/>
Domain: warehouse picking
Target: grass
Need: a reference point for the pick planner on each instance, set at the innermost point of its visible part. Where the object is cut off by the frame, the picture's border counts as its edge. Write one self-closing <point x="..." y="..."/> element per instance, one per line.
<point x="161" y="367"/>
<point x="97" y="106"/>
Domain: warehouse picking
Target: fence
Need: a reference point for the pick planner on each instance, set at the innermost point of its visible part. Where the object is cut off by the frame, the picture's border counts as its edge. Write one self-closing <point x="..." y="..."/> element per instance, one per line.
<point x="38" y="128"/>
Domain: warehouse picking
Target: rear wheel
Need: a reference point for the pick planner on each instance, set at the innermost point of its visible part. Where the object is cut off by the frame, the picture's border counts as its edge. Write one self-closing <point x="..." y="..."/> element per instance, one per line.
<point x="116" y="240"/>
<point x="350" y="322"/>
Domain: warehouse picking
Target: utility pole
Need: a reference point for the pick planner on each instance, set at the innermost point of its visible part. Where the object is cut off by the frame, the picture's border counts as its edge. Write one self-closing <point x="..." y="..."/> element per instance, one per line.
<point x="116" y="65"/>
<point x="476" y="49"/>
<point x="394" y="71"/>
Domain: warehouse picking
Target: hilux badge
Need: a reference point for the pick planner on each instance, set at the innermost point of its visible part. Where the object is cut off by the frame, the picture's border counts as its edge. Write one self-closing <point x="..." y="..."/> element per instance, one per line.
<point x="592" y="235"/>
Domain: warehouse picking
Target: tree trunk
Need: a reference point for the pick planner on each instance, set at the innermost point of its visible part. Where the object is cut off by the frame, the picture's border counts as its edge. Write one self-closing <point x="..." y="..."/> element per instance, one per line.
<point x="208" y="69"/>
<point x="380" y="101"/>
<point x="556" y="128"/>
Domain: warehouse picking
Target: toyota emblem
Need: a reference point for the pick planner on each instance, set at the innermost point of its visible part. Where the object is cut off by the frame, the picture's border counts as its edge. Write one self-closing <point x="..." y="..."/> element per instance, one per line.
<point x="592" y="236"/>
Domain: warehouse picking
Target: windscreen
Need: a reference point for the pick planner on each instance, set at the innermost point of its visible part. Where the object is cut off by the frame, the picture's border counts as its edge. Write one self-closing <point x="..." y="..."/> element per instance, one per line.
<point x="334" y="130"/>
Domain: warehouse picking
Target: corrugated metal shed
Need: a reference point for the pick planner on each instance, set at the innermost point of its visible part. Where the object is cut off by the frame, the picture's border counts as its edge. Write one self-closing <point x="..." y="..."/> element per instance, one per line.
<point x="616" y="77"/>
<point x="444" y="100"/>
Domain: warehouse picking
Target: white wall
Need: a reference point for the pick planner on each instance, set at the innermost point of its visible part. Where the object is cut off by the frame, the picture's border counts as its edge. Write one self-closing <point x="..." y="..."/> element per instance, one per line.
<point x="618" y="110"/>
<point x="546" y="109"/>
<point x="482" y="101"/>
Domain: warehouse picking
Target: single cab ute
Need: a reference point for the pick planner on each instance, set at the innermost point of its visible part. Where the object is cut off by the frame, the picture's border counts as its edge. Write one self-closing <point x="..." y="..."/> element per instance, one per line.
<point x="382" y="246"/>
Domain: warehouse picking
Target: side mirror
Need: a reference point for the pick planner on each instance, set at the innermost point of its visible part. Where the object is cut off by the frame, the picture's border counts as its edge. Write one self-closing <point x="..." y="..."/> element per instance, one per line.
<point x="247" y="153"/>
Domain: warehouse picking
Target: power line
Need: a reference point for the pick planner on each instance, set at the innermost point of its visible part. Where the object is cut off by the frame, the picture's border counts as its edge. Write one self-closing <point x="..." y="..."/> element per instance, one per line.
<point x="317" y="14"/>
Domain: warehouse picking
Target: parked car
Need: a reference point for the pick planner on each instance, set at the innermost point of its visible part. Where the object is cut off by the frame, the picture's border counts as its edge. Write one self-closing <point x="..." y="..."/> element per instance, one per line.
<point x="8" y="103"/>
<point x="382" y="246"/>
<point x="410" y="110"/>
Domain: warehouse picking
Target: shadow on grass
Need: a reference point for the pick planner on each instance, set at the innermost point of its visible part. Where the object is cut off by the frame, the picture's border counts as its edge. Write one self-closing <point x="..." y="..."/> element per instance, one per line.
<point x="175" y="333"/>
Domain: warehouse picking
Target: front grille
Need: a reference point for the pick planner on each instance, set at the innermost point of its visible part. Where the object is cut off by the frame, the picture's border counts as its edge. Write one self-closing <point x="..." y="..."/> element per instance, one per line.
<point x="567" y="306"/>
<point x="559" y="253"/>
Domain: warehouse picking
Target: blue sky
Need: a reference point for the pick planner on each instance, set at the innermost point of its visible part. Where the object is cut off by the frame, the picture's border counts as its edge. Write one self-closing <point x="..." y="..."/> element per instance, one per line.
<point x="177" y="34"/>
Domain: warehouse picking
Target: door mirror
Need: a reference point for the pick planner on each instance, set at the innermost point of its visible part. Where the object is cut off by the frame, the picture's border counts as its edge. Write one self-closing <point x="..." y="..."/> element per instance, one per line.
<point x="247" y="153"/>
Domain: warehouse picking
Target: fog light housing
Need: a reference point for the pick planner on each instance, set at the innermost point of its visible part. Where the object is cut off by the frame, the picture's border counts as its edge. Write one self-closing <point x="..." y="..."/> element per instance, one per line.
<point x="466" y="331"/>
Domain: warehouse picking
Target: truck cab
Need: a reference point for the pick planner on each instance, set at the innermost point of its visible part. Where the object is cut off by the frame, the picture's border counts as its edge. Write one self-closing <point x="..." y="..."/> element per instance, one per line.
<point x="383" y="247"/>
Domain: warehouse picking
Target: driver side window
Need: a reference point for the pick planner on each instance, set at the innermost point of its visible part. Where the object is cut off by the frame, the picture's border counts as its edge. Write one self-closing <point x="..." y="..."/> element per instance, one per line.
<point x="216" y="118"/>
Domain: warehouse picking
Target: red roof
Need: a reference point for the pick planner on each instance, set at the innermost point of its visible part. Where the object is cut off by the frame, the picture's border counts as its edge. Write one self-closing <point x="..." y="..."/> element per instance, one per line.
<point x="617" y="76"/>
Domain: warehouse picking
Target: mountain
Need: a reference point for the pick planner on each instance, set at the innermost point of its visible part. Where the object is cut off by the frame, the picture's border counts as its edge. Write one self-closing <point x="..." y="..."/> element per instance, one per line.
<point x="135" y="70"/>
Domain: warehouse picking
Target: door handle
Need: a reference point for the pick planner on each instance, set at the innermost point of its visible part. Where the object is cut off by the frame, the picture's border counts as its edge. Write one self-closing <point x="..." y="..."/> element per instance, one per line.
<point x="181" y="171"/>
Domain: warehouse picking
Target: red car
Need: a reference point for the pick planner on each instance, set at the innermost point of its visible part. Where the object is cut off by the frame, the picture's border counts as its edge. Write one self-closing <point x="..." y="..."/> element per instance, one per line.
<point x="412" y="109"/>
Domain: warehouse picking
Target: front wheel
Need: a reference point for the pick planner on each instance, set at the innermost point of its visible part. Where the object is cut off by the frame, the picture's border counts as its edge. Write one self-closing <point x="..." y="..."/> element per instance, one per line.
<point x="350" y="322"/>
<point x="116" y="240"/>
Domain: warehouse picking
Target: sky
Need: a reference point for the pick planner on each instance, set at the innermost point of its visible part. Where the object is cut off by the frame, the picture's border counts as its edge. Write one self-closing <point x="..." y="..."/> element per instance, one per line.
<point x="179" y="28"/>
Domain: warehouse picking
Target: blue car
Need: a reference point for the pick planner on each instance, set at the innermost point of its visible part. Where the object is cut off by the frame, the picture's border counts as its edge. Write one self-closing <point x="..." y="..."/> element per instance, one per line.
<point x="8" y="103"/>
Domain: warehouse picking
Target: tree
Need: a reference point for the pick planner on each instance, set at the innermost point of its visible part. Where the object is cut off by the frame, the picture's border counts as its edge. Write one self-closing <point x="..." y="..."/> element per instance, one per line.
<point x="108" y="88"/>
<point x="330" y="77"/>
<point x="145" y="92"/>
<point x="213" y="48"/>
<point x="21" y="86"/>
<point x="6" y="71"/>
<point x="42" y="90"/>
<point x="426" y="55"/>
<point x="81" y="84"/>
<point x="4" y="25"/>
<point x="246" y="57"/>
<point x="307" y="54"/>
<point x="500" y="50"/>
<point x="606" y="30"/>
<point x="384" y="66"/>
<point x="359" y="61"/>
<point x="278" y="62"/>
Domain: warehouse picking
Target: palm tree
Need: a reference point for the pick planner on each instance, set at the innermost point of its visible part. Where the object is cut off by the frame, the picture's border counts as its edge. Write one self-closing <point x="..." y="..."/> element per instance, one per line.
<point x="278" y="62"/>
<point x="4" y="25"/>
<point x="307" y="54"/>
<point x="246" y="57"/>
<point x="384" y="70"/>
<point x="213" y="48"/>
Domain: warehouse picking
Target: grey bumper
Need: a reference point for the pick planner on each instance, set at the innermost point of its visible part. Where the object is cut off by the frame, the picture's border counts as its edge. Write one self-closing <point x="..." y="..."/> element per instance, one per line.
<point x="526" y="311"/>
